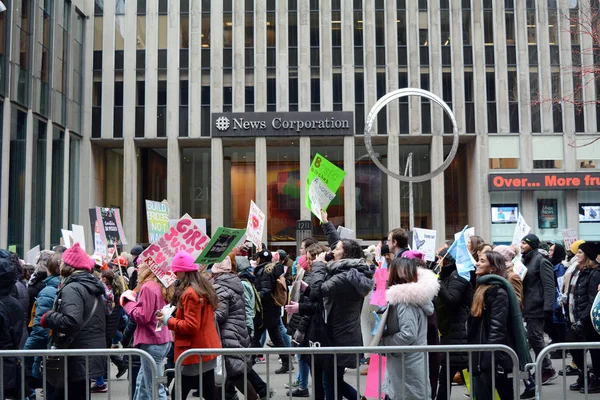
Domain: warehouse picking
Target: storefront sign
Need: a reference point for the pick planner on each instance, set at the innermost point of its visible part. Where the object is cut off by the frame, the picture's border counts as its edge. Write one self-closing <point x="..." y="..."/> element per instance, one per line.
<point x="337" y="123"/>
<point x="547" y="213"/>
<point x="545" y="181"/>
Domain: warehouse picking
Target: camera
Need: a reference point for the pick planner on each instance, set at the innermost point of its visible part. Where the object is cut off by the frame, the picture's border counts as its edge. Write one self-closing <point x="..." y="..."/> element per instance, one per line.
<point x="329" y="256"/>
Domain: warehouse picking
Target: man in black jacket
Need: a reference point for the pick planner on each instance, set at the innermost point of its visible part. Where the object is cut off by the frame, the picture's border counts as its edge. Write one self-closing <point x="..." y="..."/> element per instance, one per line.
<point x="539" y="292"/>
<point x="398" y="241"/>
<point x="265" y="286"/>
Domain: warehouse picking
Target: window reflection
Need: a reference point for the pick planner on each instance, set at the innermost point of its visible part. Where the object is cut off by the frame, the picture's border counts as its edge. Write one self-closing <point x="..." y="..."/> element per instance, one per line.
<point x="16" y="188"/>
<point x="196" y="184"/>
<point x="38" y="184"/>
<point x="239" y="185"/>
<point x="371" y="194"/>
<point x="283" y="189"/>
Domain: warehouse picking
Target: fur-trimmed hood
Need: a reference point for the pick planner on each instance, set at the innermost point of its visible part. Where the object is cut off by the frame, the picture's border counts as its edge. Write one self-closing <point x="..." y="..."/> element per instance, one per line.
<point x="421" y="292"/>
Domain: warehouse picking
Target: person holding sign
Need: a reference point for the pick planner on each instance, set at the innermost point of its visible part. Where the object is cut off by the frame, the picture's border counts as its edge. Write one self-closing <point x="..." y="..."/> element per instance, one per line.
<point x="194" y="325"/>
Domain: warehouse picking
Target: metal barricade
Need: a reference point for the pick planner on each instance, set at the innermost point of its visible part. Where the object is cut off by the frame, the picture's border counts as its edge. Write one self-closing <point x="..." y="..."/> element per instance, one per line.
<point x="23" y="354"/>
<point x="563" y="347"/>
<point x="356" y="351"/>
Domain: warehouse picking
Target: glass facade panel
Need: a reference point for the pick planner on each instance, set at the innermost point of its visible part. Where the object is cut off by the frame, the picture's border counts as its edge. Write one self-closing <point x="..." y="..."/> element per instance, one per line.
<point x="21" y="72"/>
<point x="16" y="188"/>
<point x="196" y="184"/>
<point x="74" y="168"/>
<point x="239" y="186"/>
<point x="371" y="194"/>
<point x="38" y="184"/>
<point x="58" y="168"/>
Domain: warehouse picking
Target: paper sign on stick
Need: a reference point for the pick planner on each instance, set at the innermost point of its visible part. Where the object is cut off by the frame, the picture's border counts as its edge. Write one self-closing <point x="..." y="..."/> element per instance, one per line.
<point x="424" y="241"/>
<point x="111" y="230"/>
<point x="157" y="214"/>
<point x="184" y="236"/>
<point x="346" y="233"/>
<point x="32" y="255"/>
<point x="99" y="246"/>
<point x="221" y="244"/>
<point x="256" y="225"/>
<point x="569" y="237"/>
<point x="78" y="235"/>
<point x="67" y="237"/>
<point x="322" y="182"/>
<point x="521" y="230"/>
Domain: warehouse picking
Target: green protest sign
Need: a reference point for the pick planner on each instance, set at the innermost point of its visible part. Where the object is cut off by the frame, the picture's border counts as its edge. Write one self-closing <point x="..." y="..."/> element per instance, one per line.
<point x="322" y="182"/>
<point x="221" y="244"/>
<point x="12" y="248"/>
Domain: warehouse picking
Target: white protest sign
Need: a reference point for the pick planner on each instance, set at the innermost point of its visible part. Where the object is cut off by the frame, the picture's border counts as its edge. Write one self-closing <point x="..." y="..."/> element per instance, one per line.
<point x="99" y="245"/>
<point x="78" y="235"/>
<point x="67" y="237"/>
<point x="320" y="196"/>
<point x="346" y="233"/>
<point x="424" y="241"/>
<point x="31" y="257"/>
<point x="569" y="237"/>
<point x="521" y="230"/>
<point x="256" y="225"/>
<point x="519" y="268"/>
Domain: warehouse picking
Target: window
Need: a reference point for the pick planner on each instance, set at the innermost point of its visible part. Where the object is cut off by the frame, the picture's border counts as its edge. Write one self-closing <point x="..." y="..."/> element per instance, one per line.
<point x="42" y="66"/>
<point x="74" y="168"/>
<point x="239" y="186"/>
<point x="76" y="115"/>
<point x="4" y="35"/>
<point x="588" y="152"/>
<point x="16" y="188"/>
<point x="547" y="152"/>
<point x="58" y="167"/>
<point x="22" y="21"/>
<point x="504" y="152"/>
<point x="370" y="187"/>
<point x="196" y="183"/>
<point x="61" y="62"/>
<point x="38" y="184"/>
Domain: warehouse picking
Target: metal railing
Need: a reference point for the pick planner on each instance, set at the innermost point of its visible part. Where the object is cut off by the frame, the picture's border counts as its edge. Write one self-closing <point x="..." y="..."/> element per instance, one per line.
<point x="356" y="351"/>
<point x="66" y="354"/>
<point x="563" y="347"/>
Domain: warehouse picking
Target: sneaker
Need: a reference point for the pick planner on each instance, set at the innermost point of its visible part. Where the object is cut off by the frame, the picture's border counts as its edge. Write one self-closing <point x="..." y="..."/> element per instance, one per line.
<point x="593" y="386"/>
<point x="260" y="360"/>
<point x="529" y="393"/>
<point x="548" y="376"/>
<point x="284" y="370"/>
<point x="271" y="394"/>
<point x="295" y="384"/>
<point x="270" y="344"/>
<point x="576" y="386"/>
<point x="121" y="370"/>
<point x="458" y="379"/>
<point x="99" y="388"/>
<point x="569" y="371"/>
<point x="298" y="393"/>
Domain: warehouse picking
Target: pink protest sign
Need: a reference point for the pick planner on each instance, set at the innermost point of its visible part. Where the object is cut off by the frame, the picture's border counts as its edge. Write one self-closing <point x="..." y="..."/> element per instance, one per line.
<point x="374" y="381"/>
<point x="185" y="235"/>
<point x="378" y="296"/>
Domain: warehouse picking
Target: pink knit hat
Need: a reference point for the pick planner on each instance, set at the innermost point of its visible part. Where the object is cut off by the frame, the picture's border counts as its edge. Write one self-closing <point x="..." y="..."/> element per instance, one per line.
<point x="506" y="251"/>
<point x="413" y="254"/>
<point x="77" y="258"/>
<point x="183" y="262"/>
<point x="223" y="266"/>
<point x="303" y="262"/>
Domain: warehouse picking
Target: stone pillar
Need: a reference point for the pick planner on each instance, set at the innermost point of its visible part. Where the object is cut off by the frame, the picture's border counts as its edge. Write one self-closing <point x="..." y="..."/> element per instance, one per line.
<point x="261" y="179"/>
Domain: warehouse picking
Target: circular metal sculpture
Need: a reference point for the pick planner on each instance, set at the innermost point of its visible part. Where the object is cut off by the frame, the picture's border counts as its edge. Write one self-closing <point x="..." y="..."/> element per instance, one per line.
<point x="396" y="94"/>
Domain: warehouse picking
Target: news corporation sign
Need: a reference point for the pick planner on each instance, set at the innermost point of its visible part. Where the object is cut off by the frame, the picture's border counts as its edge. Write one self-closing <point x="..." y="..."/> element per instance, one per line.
<point x="336" y="123"/>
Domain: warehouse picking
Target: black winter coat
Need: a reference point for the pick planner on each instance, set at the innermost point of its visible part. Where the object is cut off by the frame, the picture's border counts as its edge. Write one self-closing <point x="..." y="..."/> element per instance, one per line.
<point x="73" y="304"/>
<point x="23" y="298"/>
<point x="33" y="289"/>
<point x="265" y="284"/>
<point x="539" y="291"/>
<point x="298" y="325"/>
<point x="231" y="317"/>
<point x="11" y="323"/>
<point x="586" y="290"/>
<point x="453" y="310"/>
<point x="491" y="328"/>
<point x="343" y="286"/>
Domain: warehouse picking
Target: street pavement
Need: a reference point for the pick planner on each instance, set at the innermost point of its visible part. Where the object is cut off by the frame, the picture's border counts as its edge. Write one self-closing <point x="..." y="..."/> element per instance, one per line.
<point x="119" y="388"/>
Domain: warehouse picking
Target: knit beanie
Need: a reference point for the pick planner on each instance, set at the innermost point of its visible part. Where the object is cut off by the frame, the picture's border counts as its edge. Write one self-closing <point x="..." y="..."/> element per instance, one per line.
<point x="183" y="262"/>
<point x="506" y="251"/>
<point x="242" y="263"/>
<point x="303" y="262"/>
<point x="575" y="246"/>
<point x="223" y="266"/>
<point x="590" y="249"/>
<point x="532" y="241"/>
<point x="136" y="250"/>
<point x="413" y="254"/>
<point x="77" y="258"/>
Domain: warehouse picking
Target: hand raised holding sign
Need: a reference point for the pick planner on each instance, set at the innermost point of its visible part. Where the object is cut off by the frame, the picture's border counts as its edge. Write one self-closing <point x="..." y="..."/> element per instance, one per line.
<point x="324" y="216"/>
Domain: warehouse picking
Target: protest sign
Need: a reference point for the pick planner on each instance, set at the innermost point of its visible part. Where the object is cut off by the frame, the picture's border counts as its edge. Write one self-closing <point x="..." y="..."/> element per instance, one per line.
<point x="424" y="241"/>
<point x="67" y="237"/>
<point x="322" y="182"/>
<point x="184" y="236"/>
<point x="296" y="286"/>
<point x="221" y="244"/>
<point x="569" y="237"/>
<point x="201" y="222"/>
<point x="12" y="248"/>
<point x="256" y="225"/>
<point x="521" y="230"/>
<point x="346" y="233"/>
<point x="99" y="246"/>
<point x="78" y="235"/>
<point x="32" y="255"/>
<point x="519" y="268"/>
<point x="111" y="230"/>
<point x="378" y="296"/>
<point x="157" y="214"/>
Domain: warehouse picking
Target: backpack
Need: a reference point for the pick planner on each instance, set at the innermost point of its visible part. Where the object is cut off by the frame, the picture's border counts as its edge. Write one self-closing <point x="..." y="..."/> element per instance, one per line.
<point x="258" y="308"/>
<point x="279" y="291"/>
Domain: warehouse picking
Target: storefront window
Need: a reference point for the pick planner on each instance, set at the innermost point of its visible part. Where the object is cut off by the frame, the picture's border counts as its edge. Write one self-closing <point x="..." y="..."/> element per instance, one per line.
<point x="195" y="183"/>
<point x="504" y="152"/>
<point x="504" y="210"/>
<point x="239" y="186"/>
<point x="588" y="152"/>
<point x="371" y="194"/>
<point x="589" y="214"/>
<point x="421" y="191"/>
<point x="333" y="150"/>
<point x="74" y="168"/>
<point x="58" y="168"/>
<point x="113" y="178"/>
<point x="283" y="189"/>
<point x="153" y="173"/>
<point x="16" y="188"/>
<point x="455" y="192"/>
<point x="38" y="184"/>
<point x="547" y="152"/>
<point x="550" y="214"/>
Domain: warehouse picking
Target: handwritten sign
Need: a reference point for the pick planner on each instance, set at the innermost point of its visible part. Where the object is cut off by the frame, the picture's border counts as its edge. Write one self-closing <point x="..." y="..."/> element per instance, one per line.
<point x="32" y="255"/>
<point x="424" y="241"/>
<point x="111" y="229"/>
<point x="569" y="237"/>
<point x="184" y="236"/>
<point x="157" y="214"/>
<point x="78" y="235"/>
<point x="223" y="241"/>
<point x="521" y="230"/>
<point x="256" y="225"/>
<point x="322" y="182"/>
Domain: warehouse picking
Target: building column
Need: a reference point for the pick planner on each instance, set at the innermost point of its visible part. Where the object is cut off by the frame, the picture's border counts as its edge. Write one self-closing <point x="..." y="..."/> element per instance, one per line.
<point x="216" y="182"/>
<point x="195" y="73"/>
<point x="305" y="161"/>
<point x="572" y="210"/>
<point x="174" y="177"/>
<point x="5" y="173"/>
<point x="349" y="184"/>
<point x="282" y="67"/>
<point x="151" y="77"/>
<point x="108" y="70"/>
<point x="478" y="196"/>
<point x="393" y="192"/>
<point x="261" y="178"/>
<point x="67" y="173"/>
<point x="438" y="209"/>
<point x="239" y="72"/>
<point x="28" y="182"/>
<point x="173" y="151"/>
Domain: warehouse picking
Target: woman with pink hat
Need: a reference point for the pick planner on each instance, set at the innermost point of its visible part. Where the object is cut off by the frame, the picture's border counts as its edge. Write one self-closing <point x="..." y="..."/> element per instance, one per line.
<point x="194" y="325"/>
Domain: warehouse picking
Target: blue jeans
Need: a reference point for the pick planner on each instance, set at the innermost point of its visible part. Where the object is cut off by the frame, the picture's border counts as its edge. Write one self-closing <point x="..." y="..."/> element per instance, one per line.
<point x="303" y="372"/>
<point x="286" y="338"/>
<point x="143" y="385"/>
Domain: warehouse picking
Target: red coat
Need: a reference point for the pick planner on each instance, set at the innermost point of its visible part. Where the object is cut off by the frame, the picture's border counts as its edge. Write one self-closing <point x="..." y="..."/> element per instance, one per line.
<point x="194" y="327"/>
